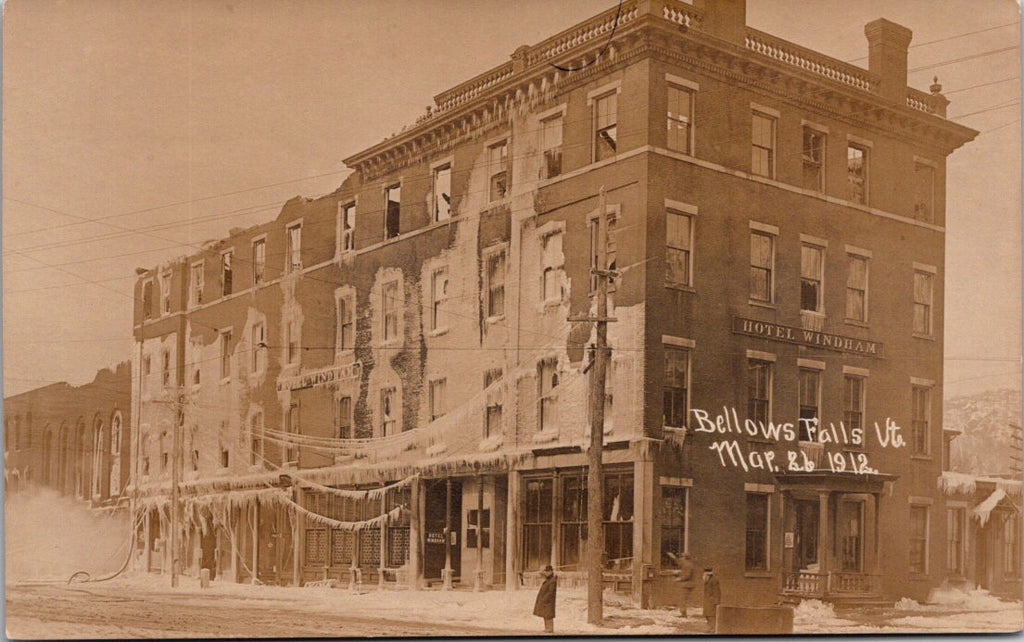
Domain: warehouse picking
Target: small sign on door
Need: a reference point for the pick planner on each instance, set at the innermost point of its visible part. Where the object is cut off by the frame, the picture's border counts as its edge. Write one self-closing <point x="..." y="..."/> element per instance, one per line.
<point x="789" y="539"/>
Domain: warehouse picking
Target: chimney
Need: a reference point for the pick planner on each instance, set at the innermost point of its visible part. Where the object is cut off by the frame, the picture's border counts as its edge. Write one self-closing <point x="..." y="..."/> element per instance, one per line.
<point x="725" y="19"/>
<point x="887" y="57"/>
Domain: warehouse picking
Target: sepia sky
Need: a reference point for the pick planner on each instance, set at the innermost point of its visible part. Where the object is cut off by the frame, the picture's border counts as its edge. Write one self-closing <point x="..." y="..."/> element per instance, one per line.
<point x="135" y="130"/>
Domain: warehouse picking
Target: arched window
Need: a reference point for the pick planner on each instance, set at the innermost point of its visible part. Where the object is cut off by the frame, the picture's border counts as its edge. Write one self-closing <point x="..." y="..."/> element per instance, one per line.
<point x="115" y="434"/>
<point x="47" y="454"/>
<point x="98" y="445"/>
<point x="80" y="460"/>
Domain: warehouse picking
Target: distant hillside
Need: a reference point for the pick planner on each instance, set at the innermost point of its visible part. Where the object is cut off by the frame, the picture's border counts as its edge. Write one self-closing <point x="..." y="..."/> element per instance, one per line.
<point x="985" y="419"/>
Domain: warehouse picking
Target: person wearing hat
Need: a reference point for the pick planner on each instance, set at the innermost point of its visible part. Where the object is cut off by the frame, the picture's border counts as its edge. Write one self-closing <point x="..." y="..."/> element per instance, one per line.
<point x="684" y="575"/>
<point x="712" y="597"/>
<point x="545" y="605"/>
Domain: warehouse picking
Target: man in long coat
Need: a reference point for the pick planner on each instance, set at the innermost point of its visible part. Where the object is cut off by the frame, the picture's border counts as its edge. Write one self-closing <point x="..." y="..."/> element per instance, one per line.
<point x="545" y="605"/>
<point x="685" y="577"/>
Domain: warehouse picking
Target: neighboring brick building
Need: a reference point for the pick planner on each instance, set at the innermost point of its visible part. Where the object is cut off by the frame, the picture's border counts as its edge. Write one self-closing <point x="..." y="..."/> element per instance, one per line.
<point x="779" y="222"/>
<point x="72" y="438"/>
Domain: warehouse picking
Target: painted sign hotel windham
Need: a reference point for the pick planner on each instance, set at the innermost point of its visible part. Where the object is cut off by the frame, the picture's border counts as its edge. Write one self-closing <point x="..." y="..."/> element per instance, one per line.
<point x="810" y="338"/>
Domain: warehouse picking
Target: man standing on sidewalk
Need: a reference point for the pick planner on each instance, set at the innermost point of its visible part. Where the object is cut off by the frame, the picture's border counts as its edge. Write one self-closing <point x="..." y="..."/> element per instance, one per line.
<point x="712" y="597"/>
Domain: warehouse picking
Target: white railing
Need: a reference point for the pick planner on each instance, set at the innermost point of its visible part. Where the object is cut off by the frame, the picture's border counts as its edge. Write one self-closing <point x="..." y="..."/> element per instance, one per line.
<point x="600" y="26"/>
<point x="682" y="14"/>
<point x="815" y="63"/>
<point x="470" y="89"/>
<point x="804" y="583"/>
<point x="919" y="100"/>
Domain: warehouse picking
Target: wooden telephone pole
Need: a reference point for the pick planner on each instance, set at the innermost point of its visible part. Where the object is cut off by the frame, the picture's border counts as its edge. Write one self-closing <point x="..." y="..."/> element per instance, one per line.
<point x="595" y="478"/>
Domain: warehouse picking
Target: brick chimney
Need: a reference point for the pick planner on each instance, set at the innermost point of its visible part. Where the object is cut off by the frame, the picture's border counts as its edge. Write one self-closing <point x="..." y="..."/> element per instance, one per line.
<point x="725" y="19"/>
<point x="887" y="57"/>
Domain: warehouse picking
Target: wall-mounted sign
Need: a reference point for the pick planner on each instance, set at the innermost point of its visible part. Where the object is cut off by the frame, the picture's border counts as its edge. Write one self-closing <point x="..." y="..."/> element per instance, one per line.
<point x="321" y="377"/>
<point x="435" y="537"/>
<point x="810" y="338"/>
<point x="789" y="539"/>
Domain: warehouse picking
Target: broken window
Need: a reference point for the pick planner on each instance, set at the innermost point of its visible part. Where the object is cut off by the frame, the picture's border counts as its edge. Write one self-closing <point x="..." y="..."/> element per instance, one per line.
<point x="165" y="293"/>
<point x="438" y="297"/>
<point x="595" y="248"/>
<point x="347" y="226"/>
<point x="552" y="261"/>
<point x="388" y="412"/>
<point x="258" y="346"/>
<point x="294" y="256"/>
<point x="551" y="145"/>
<point x="443" y="192"/>
<point x="392" y="211"/>
<point x="259" y="260"/>
<point x="547" y="373"/>
<point x="197" y="284"/>
<point x="147" y="300"/>
<point x="389" y="310"/>
<point x="166" y="369"/>
<point x="226" y="272"/>
<point x="606" y="126"/>
<point x="857" y="173"/>
<point x="814" y="159"/>
<point x="495" y="277"/>
<point x="497" y="163"/>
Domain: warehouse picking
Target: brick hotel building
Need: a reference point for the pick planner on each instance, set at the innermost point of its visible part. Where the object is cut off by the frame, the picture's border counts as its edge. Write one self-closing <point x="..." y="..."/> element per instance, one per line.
<point x="778" y="228"/>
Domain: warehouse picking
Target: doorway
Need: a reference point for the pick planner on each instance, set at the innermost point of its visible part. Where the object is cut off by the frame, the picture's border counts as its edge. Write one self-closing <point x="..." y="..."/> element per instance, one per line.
<point x="435" y="499"/>
<point x="805" y="551"/>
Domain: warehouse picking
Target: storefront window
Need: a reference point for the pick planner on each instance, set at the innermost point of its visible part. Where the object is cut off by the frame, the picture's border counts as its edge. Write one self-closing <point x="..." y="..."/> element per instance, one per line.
<point x="618" y="521"/>
<point x="537" y="524"/>
<point x="574" y="522"/>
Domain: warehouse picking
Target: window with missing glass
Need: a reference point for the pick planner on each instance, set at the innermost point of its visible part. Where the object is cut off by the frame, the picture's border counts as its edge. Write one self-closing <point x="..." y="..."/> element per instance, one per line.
<point x="547" y="389"/>
<point x="493" y="412"/>
<point x="293" y="256"/>
<point x="813" y="159"/>
<point x="551" y="146"/>
<point x="606" y="135"/>
<point x="347" y="226"/>
<point x="494" y="276"/>
<point x="857" y="173"/>
<point x="343" y="417"/>
<point x="227" y="273"/>
<point x="392" y="211"/>
<point x="389" y="310"/>
<point x="259" y="261"/>
<point x="442" y="192"/>
<point x="497" y="163"/>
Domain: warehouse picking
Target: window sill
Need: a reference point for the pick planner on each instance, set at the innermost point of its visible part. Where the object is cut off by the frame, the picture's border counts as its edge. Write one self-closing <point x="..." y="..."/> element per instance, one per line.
<point x="758" y="574"/>
<point x="551" y="303"/>
<point x="926" y="337"/>
<point x="768" y="305"/>
<point x="495" y="319"/>
<point x="437" y="332"/>
<point x="855" y="322"/>
<point x="680" y="287"/>
<point x="225" y="380"/>
<point x="921" y="457"/>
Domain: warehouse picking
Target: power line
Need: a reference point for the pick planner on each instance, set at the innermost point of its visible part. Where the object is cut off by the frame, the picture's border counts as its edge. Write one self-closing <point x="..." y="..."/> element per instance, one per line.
<point x="962" y="59"/>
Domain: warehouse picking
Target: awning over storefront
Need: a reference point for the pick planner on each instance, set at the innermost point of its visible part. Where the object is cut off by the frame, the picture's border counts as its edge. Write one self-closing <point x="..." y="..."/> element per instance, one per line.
<point x="836" y="482"/>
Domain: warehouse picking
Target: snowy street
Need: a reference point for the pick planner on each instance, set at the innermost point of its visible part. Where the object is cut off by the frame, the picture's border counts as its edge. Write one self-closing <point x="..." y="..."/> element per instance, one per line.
<point x="143" y="606"/>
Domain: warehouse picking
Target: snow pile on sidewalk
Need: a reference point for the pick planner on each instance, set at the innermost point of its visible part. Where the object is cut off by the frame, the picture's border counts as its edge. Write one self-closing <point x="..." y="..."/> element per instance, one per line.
<point x="815" y="616"/>
<point x="972" y="600"/>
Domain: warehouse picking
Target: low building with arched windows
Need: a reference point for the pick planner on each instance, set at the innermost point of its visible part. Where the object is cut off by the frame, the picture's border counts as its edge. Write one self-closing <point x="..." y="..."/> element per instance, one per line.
<point x="75" y="439"/>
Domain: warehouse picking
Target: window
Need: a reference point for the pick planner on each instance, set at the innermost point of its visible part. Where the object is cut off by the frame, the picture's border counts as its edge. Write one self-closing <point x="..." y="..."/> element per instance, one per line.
<point x="606" y="126"/>
<point x="389" y="308"/>
<point x="552" y="261"/>
<point x="226" y="272"/>
<point x="547" y="373"/>
<point x="258" y="346"/>
<point x="343" y="418"/>
<point x="680" y="117"/>
<point x="812" y="273"/>
<point x="443" y="192"/>
<point x="346" y="323"/>
<point x="392" y="211"/>
<point x="225" y="456"/>
<point x="923" y="303"/>
<point x="678" y="246"/>
<point x="918" y="540"/>
<point x="294" y="255"/>
<point x="673" y="523"/>
<point x="165" y="369"/>
<point x="762" y="160"/>
<point x="147" y="365"/>
<point x="256" y="439"/>
<point x="438" y="297"/>
<point x="551" y="146"/>
<point x="757" y="532"/>
<point x="291" y="450"/>
<point x="495" y="280"/>
<point x="346" y="227"/>
<point x="195" y="460"/>
<point x="810" y="402"/>
<point x="924" y="192"/>
<point x="955" y="541"/>
<point x="291" y="341"/>
<point x="196" y="293"/>
<point x="388" y="412"/>
<point x="759" y="390"/>
<point x="437" y="398"/>
<point x="573" y="525"/>
<point x="857" y="173"/>
<point x="492" y="420"/>
<point x="1011" y="544"/>
<point x="814" y="160"/>
<point x="595" y="247"/>
<point x="147" y="299"/>
<point x="677" y="387"/>
<point x="857" y="288"/>
<point x="921" y="411"/>
<point x="853" y="402"/>
<point x="497" y="164"/>
<point x="762" y="266"/>
<point x="197" y="376"/>
<point x="537" y="524"/>
<point x="259" y="261"/>
<point x="478" y="528"/>
<point x="165" y="293"/>
<point x="225" y="354"/>
<point x="617" y="517"/>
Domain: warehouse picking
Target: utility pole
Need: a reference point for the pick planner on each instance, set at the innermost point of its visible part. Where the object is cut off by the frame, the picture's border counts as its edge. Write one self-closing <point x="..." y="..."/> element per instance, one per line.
<point x="595" y="478"/>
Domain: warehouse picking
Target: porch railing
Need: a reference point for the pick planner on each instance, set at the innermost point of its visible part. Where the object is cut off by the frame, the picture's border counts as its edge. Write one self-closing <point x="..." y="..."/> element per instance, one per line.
<point x="809" y="584"/>
<point x="849" y="582"/>
<point x="804" y="583"/>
